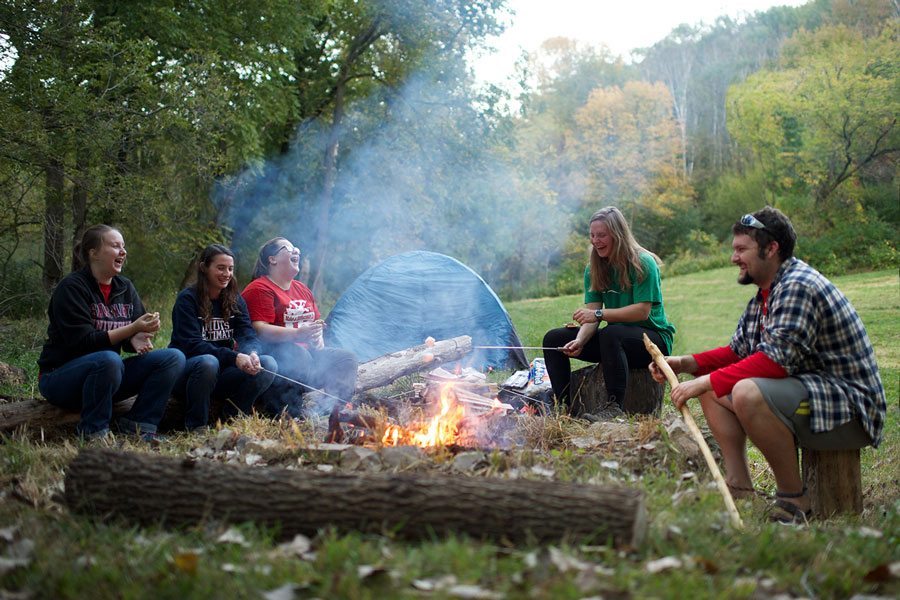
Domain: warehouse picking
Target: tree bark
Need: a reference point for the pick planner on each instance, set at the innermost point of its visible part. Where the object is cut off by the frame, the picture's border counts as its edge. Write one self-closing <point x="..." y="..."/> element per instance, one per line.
<point x="149" y="489"/>
<point x="834" y="481"/>
<point x="54" y="223"/>
<point x="37" y="412"/>
<point x="386" y="369"/>
<point x="642" y="394"/>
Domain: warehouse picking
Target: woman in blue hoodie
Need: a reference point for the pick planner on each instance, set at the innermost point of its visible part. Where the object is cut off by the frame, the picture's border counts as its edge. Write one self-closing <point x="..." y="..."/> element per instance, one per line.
<point x="95" y="313"/>
<point x="210" y="324"/>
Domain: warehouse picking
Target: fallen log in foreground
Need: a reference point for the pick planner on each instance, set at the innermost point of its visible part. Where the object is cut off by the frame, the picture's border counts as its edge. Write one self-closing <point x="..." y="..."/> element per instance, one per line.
<point x="151" y="489"/>
<point x="386" y="369"/>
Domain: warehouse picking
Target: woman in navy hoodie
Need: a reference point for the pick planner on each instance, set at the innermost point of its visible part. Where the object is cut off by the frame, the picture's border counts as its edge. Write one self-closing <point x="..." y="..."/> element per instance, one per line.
<point x="211" y="326"/>
<point x="95" y="313"/>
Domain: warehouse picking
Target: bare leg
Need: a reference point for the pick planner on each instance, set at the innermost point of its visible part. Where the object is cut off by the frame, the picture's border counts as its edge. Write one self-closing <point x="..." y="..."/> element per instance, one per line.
<point x="772" y="437"/>
<point x="731" y="437"/>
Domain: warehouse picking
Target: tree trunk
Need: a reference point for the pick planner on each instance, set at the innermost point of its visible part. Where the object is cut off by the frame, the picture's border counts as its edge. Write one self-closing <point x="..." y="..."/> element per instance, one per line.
<point x="642" y="394"/>
<point x="834" y="481"/>
<point x="149" y="489"/>
<point x="54" y="224"/>
<point x="79" y="201"/>
<point x="386" y="369"/>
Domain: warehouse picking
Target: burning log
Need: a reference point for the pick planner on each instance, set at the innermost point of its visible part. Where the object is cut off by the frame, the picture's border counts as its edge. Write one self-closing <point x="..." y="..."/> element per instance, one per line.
<point x="149" y="489"/>
<point x="388" y="368"/>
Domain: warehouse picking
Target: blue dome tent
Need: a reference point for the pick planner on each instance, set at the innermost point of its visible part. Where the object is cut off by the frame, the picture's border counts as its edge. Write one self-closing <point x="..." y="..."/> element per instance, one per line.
<point x="408" y="297"/>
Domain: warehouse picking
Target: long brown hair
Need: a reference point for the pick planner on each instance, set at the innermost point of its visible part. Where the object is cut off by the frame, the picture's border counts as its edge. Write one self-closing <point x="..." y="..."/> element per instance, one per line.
<point x="228" y="296"/>
<point x="269" y="249"/>
<point x="91" y="239"/>
<point x="625" y="254"/>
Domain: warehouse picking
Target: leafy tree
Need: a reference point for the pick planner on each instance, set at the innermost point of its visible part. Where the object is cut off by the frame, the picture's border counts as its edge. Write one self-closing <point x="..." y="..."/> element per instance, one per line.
<point x="830" y="110"/>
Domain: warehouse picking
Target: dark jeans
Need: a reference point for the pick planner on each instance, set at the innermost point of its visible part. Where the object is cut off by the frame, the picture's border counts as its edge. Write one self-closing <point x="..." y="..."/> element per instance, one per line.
<point x="331" y="370"/>
<point x="93" y="382"/>
<point x="202" y="382"/>
<point x="616" y="347"/>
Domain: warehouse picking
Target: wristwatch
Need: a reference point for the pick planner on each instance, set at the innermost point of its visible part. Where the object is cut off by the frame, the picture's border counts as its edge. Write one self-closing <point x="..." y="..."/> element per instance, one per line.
<point x="599" y="314"/>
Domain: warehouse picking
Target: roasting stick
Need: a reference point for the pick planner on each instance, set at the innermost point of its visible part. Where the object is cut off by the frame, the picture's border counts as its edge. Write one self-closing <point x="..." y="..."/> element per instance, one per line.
<point x="660" y="361"/>
<point x="309" y="387"/>
<point x="515" y="348"/>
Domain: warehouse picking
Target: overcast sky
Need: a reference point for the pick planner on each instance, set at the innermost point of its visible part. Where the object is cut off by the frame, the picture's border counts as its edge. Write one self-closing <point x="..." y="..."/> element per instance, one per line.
<point x="620" y="24"/>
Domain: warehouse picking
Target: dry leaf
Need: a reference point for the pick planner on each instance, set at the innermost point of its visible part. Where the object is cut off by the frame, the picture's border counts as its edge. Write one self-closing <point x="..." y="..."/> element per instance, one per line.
<point x="298" y="546"/>
<point x="285" y="592"/>
<point x="434" y="583"/>
<point x="539" y="470"/>
<point x="186" y="562"/>
<point x="233" y="536"/>
<point x="663" y="564"/>
<point x="367" y="571"/>
<point x="473" y="592"/>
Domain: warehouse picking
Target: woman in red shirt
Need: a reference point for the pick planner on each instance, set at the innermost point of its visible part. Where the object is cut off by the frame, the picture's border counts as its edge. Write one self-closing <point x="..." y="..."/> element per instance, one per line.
<point x="284" y="314"/>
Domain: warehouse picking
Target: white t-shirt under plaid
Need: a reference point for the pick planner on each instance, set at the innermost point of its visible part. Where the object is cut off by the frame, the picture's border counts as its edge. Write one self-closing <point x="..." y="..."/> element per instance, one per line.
<point x="816" y="335"/>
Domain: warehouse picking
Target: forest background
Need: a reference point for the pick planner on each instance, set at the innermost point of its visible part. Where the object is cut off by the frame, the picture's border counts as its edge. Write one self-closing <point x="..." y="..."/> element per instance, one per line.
<point x="356" y="129"/>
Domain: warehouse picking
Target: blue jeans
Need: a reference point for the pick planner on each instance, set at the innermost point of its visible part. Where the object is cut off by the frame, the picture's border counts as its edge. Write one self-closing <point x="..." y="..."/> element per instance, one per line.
<point x="332" y="370"/>
<point x="202" y="381"/>
<point x="93" y="382"/>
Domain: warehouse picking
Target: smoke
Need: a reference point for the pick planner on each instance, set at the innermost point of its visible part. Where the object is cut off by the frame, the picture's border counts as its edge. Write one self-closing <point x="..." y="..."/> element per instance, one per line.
<point x="419" y="168"/>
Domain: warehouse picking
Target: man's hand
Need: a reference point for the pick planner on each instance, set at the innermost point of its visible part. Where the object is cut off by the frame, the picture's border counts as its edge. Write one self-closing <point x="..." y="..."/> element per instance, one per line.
<point x="690" y="389"/>
<point x="142" y="342"/>
<point x="674" y="362"/>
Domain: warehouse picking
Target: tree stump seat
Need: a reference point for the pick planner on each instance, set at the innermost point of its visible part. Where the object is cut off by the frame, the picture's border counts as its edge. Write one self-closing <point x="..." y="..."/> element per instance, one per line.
<point x="642" y="394"/>
<point x="833" y="479"/>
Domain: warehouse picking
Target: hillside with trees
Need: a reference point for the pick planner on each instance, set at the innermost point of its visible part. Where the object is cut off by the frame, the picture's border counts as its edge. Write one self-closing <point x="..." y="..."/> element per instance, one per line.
<point x="356" y="129"/>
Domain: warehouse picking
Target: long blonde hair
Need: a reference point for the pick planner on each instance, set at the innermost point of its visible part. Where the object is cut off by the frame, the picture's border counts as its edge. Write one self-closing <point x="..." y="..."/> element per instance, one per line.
<point x="626" y="252"/>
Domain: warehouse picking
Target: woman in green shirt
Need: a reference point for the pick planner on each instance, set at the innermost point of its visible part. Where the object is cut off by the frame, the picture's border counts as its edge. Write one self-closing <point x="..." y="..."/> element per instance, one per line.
<point x="621" y="287"/>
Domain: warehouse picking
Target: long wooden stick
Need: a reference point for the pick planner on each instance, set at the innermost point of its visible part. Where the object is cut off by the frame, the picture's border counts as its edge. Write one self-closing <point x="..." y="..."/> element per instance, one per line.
<point x="660" y="361"/>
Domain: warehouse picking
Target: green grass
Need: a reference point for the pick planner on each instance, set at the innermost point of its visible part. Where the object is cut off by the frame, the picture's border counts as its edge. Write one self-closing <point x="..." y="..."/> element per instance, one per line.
<point x="76" y="557"/>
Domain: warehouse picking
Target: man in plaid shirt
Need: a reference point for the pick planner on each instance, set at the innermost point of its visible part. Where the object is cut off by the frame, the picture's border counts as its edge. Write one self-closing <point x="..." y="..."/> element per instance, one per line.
<point x="800" y="369"/>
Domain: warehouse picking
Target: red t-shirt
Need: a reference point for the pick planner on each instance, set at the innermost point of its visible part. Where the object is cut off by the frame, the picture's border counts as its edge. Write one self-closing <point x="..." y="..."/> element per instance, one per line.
<point x="269" y="303"/>
<point x="105" y="289"/>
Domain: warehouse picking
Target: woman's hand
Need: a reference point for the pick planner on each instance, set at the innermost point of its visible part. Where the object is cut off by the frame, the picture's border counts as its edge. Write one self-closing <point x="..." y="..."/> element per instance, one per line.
<point x="573" y="348"/>
<point x="248" y="363"/>
<point x="585" y="315"/>
<point x="142" y="342"/>
<point x="312" y="332"/>
<point x="147" y="323"/>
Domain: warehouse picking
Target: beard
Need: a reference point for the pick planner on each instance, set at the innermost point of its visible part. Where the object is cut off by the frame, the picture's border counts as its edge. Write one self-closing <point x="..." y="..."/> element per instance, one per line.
<point x="745" y="279"/>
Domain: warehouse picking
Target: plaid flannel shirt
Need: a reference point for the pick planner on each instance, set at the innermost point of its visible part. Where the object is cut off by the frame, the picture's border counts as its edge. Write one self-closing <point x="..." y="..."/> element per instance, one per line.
<point x="816" y="335"/>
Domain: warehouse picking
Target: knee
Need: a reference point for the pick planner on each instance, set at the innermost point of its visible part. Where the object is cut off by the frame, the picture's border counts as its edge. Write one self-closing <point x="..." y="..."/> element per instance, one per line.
<point x="555" y="338"/>
<point x="268" y="363"/>
<point x="205" y="366"/>
<point x="171" y="360"/>
<point x="110" y="364"/>
<point x="746" y="398"/>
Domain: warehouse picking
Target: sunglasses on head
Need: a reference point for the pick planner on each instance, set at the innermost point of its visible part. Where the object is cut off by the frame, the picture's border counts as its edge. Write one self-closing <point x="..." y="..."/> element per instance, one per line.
<point x="751" y="221"/>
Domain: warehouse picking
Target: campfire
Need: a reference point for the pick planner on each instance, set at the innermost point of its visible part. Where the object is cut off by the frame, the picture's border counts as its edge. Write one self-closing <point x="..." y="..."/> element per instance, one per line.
<point x="454" y="410"/>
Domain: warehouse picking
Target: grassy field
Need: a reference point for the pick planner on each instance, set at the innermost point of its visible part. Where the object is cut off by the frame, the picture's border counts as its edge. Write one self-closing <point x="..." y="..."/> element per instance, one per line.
<point x="46" y="552"/>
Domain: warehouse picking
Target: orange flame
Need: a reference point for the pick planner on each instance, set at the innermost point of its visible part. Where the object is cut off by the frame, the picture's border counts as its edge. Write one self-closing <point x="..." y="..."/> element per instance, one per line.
<point x="442" y="430"/>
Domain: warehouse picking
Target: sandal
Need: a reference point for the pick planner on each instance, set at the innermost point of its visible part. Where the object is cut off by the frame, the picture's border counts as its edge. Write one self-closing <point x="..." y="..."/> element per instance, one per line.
<point x="788" y="512"/>
<point x="745" y="492"/>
